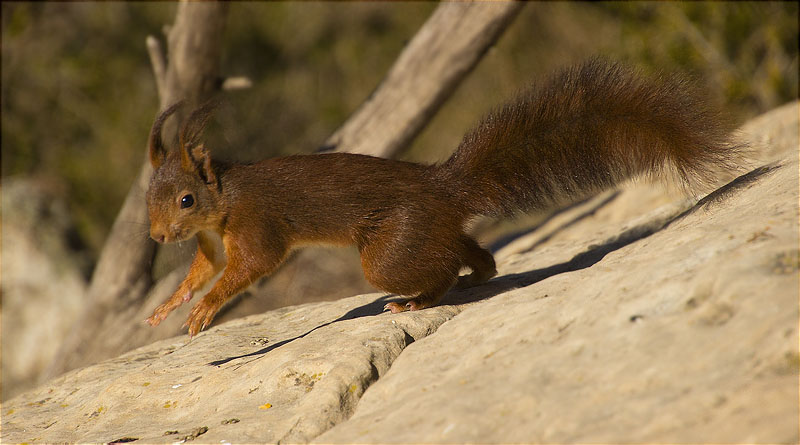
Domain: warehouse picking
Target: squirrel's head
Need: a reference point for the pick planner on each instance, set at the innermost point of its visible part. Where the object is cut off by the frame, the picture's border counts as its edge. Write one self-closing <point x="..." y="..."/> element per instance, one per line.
<point x="184" y="193"/>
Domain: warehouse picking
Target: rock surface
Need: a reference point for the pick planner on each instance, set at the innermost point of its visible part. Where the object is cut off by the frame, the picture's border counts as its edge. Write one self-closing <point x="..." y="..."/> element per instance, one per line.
<point x="43" y="282"/>
<point x="669" y="321"/>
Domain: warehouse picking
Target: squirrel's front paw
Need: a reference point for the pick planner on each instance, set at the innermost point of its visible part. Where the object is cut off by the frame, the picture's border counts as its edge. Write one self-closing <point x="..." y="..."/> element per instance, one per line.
<point x="161" y="312"/>
<point x="202" y="314"/>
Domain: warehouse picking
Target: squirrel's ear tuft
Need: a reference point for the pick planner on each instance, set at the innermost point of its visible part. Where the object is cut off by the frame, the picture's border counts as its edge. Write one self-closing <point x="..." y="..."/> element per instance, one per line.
<point x="157" y="152"/>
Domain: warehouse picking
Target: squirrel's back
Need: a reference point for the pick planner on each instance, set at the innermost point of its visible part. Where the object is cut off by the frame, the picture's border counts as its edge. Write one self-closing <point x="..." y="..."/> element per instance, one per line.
<point x="583" y="130"/>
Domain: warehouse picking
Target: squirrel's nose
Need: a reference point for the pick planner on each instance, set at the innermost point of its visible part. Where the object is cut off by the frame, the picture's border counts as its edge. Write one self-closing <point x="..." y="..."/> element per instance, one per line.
<point x="160" y="237"/>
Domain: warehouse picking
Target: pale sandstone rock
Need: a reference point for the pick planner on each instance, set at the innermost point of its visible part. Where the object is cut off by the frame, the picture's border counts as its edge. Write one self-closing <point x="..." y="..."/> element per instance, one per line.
<point x="678" y="323"/>
<point x="42" y="284"/>
<point x="288" y="374"/>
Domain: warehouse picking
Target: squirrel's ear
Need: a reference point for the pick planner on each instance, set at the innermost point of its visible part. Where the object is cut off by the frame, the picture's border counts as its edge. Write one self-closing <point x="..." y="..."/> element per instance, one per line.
<point x="198" y="161"/>
<point x="203" y="158"/>
<point x="187" y="161"/>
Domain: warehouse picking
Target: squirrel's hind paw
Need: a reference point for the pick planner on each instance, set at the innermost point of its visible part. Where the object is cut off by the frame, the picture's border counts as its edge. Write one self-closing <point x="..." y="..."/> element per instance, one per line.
<point x="394" y="307"/>
<point x="412" y="304"/>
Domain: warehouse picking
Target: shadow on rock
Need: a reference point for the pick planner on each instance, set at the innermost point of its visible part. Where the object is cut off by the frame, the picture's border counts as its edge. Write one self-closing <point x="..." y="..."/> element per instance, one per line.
<point x="367" y="310"/>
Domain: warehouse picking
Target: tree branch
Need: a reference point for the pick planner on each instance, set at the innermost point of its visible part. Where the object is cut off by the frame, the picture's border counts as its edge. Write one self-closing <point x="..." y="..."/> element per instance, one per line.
<point x="159" y="62"/>
<point x="438" y="58"/>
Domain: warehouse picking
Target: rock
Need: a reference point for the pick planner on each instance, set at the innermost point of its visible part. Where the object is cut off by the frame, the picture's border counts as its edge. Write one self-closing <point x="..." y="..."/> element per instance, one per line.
<point x="288" y="374"/>
<point x="43" y="281"/>
<point x="676" y="325"/>
<point x="688" y="334"/>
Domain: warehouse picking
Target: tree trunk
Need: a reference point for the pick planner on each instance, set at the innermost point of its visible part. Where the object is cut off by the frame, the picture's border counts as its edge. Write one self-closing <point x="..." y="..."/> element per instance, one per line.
<point x="122" y="275"/>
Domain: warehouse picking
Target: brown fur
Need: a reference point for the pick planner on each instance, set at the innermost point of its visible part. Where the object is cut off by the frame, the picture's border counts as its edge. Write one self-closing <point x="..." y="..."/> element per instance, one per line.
<point x="586" y="129"/>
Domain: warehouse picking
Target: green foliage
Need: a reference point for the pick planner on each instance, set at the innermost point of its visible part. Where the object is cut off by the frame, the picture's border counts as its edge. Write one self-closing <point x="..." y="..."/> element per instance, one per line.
<point x="78" y="100"/>
<point x="78" y="95"/>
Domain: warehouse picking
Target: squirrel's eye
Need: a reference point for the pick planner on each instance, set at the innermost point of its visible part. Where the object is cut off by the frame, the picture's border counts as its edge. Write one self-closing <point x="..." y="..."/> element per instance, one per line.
<point x="187" y="201"/>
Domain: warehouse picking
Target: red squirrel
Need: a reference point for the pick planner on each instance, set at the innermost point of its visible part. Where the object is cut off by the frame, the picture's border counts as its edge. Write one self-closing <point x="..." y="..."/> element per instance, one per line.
<point x="583" y="130"/>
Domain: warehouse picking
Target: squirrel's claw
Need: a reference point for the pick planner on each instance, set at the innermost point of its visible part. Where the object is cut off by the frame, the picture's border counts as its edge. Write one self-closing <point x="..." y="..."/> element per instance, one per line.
<point x="201" y="316"/>
<point x="159" y="315"/>
<point x="394" y="307"/>
<point x="413" y="304"/>
<point x="161" y="312"/>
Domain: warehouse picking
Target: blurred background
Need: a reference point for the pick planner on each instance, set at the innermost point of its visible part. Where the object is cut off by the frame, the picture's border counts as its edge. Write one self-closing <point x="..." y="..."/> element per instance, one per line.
<point x="78" y="99"/>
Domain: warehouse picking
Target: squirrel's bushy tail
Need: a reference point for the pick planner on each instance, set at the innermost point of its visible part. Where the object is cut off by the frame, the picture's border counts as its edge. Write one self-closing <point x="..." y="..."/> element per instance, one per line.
<point x="584" y="130"/>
